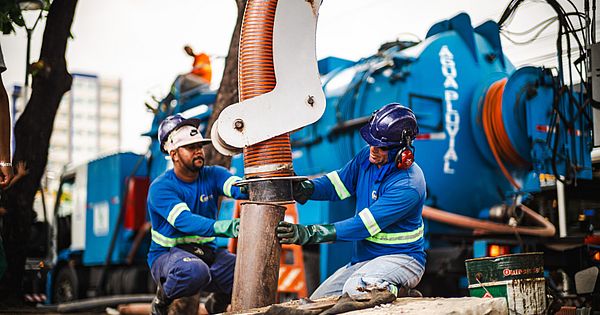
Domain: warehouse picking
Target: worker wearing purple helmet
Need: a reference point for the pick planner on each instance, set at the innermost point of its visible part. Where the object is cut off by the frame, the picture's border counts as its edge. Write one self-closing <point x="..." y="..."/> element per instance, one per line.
<point x="387" y="229"/>
<point x="182" y="206"/>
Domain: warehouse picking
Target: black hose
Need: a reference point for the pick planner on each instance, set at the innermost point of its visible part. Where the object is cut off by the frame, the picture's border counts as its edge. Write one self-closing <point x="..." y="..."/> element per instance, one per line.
<point x="95" y="303"/>
<point x="510" y="9"/>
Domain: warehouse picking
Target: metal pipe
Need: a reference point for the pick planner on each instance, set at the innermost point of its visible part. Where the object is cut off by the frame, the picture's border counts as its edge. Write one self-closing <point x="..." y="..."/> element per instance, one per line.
<point x="257" y="262"/>
<point x="562" y="210"/>
<point x="547" y="229"/>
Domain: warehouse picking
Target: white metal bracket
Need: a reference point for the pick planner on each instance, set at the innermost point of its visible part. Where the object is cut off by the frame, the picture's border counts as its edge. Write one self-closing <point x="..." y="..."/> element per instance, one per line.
<point x="297" y="100"/>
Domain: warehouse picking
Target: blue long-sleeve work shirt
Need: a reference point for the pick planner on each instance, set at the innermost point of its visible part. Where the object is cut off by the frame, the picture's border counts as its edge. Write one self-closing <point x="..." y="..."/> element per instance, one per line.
<point x="182" y="212"/>
<point x="389" y="202"/>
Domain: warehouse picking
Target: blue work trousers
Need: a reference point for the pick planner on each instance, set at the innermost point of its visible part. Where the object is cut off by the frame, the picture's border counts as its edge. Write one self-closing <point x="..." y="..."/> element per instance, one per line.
<point x="183" y="274"/>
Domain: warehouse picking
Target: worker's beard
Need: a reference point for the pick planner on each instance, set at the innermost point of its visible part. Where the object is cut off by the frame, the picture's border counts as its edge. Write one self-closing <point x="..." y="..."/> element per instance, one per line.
<point x="194" y="165"/>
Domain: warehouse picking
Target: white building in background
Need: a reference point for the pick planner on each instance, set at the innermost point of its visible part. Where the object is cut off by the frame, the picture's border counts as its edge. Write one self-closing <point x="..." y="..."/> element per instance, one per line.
<point x="86" y="126"/>
<point x="87" y="123"/>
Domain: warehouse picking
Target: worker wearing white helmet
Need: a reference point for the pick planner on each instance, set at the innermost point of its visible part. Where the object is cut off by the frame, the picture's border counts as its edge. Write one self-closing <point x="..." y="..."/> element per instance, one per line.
<point x="182" y="206"/>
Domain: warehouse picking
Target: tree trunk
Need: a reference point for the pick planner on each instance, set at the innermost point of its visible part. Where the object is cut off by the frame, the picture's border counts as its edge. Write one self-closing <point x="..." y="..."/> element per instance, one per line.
<point x="228" y="91"/>
<point x="32" y="136"/>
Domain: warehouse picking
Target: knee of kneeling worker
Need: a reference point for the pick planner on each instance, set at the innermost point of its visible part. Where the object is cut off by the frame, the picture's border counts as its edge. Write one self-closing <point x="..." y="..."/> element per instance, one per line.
<point x="354" y="285"/>
<point x="198" y="275"/>
<point x="189" y="279"/>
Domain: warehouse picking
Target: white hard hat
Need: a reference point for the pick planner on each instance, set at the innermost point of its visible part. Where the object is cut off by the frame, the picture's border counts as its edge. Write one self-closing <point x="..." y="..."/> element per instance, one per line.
<point x="184" y="135"/>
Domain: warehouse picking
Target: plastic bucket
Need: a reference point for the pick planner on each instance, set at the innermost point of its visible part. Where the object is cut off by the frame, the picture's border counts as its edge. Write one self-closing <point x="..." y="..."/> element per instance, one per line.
<point x="518" y="277"/>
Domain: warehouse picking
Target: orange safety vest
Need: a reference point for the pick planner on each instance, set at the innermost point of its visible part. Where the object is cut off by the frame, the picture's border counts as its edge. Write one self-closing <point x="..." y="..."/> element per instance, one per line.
<point x="201" y="67"/>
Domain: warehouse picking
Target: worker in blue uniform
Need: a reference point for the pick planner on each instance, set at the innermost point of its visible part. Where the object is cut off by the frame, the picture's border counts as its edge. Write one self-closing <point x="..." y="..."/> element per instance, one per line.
<point x="387" y="229"/>
<point x="182" y="206"/>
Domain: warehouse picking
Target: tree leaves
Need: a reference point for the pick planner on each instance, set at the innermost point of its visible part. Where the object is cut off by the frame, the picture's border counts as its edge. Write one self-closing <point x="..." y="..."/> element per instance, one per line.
<point x="10" y="15"/>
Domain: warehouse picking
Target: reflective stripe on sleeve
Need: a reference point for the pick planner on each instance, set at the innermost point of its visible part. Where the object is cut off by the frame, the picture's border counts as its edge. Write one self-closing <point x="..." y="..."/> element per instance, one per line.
<point x="228" y="183"/>
<point x="176" y="211"/>
<point x="339" y="186"/>
<point x="397" y="238"/>
<point x="369" y="221"/>
<point x="172" y="242"/>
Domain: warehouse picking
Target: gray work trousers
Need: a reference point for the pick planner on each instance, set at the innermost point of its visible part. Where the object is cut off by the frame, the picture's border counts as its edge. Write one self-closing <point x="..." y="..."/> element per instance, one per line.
<point x="389" y="271"/>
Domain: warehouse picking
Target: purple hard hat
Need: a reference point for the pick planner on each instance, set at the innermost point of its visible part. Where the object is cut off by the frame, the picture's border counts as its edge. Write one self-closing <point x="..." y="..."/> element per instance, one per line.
<point x="172" y="123"/>
<point x="393" y="125"/>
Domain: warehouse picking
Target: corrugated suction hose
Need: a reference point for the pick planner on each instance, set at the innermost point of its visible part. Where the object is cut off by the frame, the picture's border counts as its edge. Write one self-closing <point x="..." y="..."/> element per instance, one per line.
<point x="273" y="157"/>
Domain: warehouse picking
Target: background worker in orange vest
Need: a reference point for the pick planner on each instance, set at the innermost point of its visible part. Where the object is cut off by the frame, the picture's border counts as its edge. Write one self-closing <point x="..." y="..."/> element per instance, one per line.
<point x="197" y="79"/>
<point x="201" y="66"/>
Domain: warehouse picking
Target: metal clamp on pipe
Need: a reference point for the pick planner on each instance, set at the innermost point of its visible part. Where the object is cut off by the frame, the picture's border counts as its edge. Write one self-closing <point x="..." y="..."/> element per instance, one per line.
<point x="258" y="188"/>
<point x="297" y="99"/>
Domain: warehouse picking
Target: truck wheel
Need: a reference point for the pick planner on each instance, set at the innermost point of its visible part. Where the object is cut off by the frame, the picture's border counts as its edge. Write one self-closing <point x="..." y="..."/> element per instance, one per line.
<point x="66" y="285"/>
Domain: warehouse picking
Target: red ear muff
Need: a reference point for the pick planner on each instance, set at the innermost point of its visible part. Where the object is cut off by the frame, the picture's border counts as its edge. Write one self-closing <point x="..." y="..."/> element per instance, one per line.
<point x="404" y="158"/>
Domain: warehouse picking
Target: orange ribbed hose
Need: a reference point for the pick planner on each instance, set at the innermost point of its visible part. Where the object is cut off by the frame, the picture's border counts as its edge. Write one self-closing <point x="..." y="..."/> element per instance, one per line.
<point x="495" y="133"/>
<point x="273" y="157"/>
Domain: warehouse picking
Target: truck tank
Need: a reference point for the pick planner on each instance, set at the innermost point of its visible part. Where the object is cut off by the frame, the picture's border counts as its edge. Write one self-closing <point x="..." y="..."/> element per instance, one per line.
<point x="491" y="136"/>
<point x="460" y="86"/>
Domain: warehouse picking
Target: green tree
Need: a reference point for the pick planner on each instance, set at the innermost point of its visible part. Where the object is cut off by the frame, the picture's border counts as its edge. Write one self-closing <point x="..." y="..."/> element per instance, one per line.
<point x="32" y="132"/>
<point x="228" y="90"/>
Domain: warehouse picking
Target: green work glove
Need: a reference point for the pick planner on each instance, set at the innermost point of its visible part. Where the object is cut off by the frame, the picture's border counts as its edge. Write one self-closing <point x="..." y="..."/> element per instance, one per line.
<point x="303" y="190"/>
<point x="289" y="233"/>
<point x="227" y="228"/>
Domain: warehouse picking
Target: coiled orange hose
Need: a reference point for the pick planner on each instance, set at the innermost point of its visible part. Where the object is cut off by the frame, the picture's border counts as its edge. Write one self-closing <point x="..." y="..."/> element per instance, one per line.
<point x="495" y="133"/>
<point x="273" y="157"/>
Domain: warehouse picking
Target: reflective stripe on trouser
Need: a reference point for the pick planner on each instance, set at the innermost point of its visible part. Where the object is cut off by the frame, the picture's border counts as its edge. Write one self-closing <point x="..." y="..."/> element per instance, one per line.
<point x="172" y="242"/>
<point x="339" y="186"/>
<point x="389" y="271"/>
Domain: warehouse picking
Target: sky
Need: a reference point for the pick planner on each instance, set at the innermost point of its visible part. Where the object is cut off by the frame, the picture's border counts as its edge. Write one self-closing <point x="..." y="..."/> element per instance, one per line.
<point x="141" y="42"/>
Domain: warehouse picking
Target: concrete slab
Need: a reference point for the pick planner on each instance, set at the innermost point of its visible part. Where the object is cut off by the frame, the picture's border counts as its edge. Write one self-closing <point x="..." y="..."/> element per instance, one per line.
<point x="410" y="306"/>
<point x="455" y="306"/>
